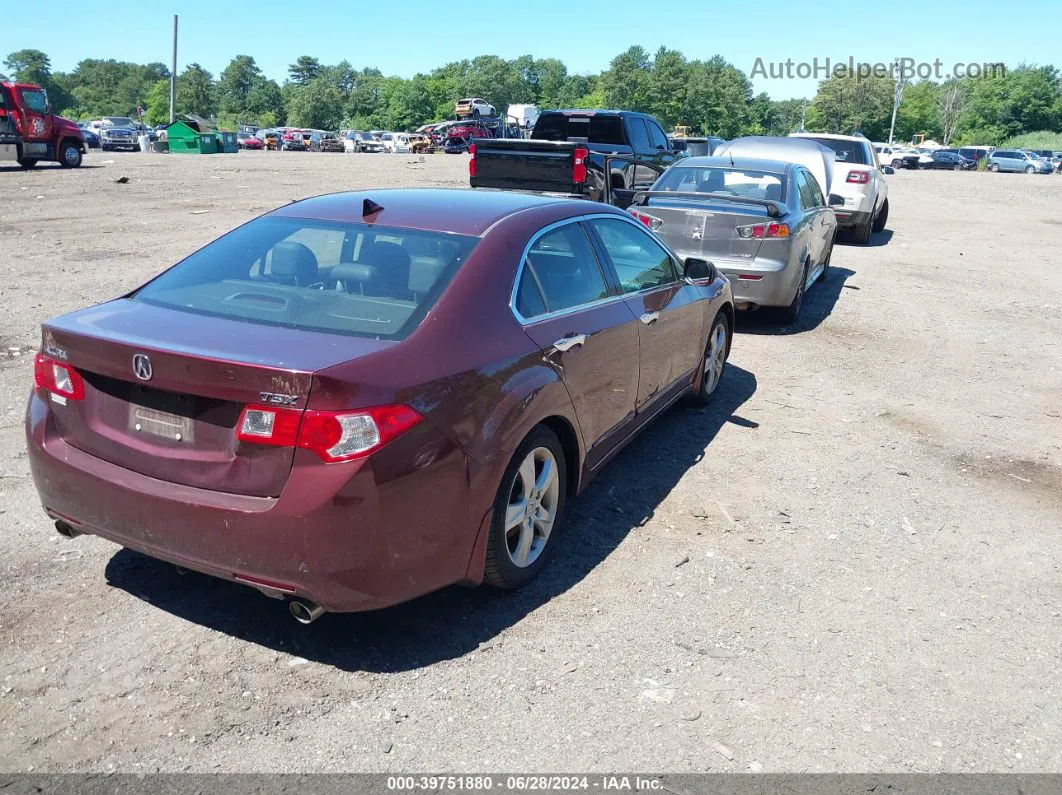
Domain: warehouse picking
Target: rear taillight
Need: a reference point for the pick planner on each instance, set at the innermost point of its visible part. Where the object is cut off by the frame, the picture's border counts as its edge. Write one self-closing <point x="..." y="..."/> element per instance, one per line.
<point x="858" y="177"/>
<point x="650" y="221"/>
<point x="472" y="160"/>
<point x="61" y="380"/>
<point x="333" y="435"/>
<point x="761" y="231"/>
<point x="579" y="165"/>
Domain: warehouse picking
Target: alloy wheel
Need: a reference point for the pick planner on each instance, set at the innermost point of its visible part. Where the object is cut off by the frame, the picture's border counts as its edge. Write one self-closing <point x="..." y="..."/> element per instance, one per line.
<point x="532" y="507"/>
<point x="715" y="358"/>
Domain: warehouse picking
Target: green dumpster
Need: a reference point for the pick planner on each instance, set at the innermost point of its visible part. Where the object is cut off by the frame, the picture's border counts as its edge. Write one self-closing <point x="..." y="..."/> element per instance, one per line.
<point x="227" y="142"/>
<point x="189" y="137"/>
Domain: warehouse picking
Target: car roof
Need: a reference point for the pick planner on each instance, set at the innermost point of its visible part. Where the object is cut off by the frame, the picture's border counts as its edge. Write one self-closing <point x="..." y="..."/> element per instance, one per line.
<point x="593" y="112"/>
<point x="751" y="163"/>
<point x="831" y="136"/>
<point x="460" y="211"/>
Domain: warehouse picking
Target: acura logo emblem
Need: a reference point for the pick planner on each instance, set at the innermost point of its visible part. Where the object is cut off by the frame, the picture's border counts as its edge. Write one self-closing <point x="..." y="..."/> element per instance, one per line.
<point x="142" y="367"/>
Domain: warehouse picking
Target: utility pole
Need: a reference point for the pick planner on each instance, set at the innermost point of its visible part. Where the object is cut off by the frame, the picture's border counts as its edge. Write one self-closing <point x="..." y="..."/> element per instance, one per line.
<point x="897" y="94"/>
<point x="804" y="116"/>
<point x="173" y="75"/>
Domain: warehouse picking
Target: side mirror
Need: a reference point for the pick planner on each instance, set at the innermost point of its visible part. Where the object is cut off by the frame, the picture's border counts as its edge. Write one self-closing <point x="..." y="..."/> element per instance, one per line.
<point x="888" y="170"/>
<point x="698" y="269"/>
<point x="836" y="201"/>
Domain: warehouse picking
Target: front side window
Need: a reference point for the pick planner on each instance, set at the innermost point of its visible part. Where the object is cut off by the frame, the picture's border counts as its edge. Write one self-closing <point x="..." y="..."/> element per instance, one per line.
<point x="36" y="101"/>
<point x="816" y="191"/>
<point x="657" y="139"/>
<point x="640" y="262"/>
<point x="335" y="277"/>
<point x="560" y="272"/>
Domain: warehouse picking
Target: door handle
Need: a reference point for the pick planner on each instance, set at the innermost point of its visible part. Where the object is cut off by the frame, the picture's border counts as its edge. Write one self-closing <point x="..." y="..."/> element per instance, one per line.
<point x="649" y="318"/>
<point x="569" y="342"/>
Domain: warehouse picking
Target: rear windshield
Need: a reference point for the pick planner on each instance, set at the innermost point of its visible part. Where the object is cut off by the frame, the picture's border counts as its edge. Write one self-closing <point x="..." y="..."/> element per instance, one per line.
<point x="846" y="151"/>
<point x="592" y="129"/>
<point x="738" y="181"/>
<point x="699" y="148"/>
<point x="342" y="278"/>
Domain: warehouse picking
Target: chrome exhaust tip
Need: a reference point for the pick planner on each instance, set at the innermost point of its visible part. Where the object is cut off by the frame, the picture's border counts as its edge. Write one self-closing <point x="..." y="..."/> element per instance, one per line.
<point x="65" y="530"/>
<point x="305" y="612"/>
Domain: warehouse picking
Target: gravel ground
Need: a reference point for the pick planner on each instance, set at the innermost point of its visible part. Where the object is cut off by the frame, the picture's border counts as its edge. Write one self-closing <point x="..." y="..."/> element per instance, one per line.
<point x="850" y="563"/>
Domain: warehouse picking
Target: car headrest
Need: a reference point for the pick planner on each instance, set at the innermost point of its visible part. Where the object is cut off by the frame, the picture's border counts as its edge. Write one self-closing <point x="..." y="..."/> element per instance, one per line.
<point x="715" y="183"/>
<point x="773" y="193"/>
<point x="293" y="263"/>
<point x="390" y="260"/>
<point x="351" y="272"/>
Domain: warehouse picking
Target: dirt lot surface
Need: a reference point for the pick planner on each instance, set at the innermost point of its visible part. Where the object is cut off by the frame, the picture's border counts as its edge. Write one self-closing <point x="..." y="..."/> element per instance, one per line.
<point x="851" y="562"/>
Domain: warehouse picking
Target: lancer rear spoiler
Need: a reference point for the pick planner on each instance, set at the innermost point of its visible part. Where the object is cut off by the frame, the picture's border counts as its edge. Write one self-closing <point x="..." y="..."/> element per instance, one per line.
<point x="774" y="209"/>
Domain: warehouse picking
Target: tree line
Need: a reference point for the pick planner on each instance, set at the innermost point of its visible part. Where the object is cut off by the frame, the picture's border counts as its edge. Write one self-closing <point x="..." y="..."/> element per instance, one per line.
<point x="712" y="97"/>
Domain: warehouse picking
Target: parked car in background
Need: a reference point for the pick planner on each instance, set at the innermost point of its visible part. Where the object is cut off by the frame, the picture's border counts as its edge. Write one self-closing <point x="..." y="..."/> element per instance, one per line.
<point x="1018" y="160"/>
<point x="246" y="140"/>
<point x="293" y="140"/>
<point x="92" y="140"/>
<point x="419" y="144"/>
<point x="860" y="182"/>
<point x="976" y="153"/>
<point x="118" y="138"/>
<point x="473" y="108"/>
<point x="766" y="224"/>
<point x="950" y="160"/>
<point x="361" y="141"/>
<point x="305" y="405"/>
<point x="325" y="142"/>
<point x="522" y="116"/>
<point x="697" y="147"/>
<point x="891" y="155"/>
<point x="567" y="150"/>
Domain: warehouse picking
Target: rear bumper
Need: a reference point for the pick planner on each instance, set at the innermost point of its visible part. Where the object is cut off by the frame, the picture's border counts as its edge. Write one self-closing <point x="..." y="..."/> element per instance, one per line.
<point x="847" y="219"/>
<point x="355" y="536"/>
<point x="776" y="286"/>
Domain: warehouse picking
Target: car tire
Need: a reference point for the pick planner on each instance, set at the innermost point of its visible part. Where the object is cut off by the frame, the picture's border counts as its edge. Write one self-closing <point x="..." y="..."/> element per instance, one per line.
<point x="957" y="167"/>
<point x="475" y="114"/>
<point x="880" y="219"/>
<point x="1030" y="170"/>
<point x="69" y="155"/>
<point x="28" y="162"/>
<point x="716" y="352"/>
<point x="826" y="262"/>
<point x="861" y="233"/>
<point x="897" y="163"/>
<point x="526" y="496"/>
<point x="994" y="167"/>
<point x="791" y="313"/>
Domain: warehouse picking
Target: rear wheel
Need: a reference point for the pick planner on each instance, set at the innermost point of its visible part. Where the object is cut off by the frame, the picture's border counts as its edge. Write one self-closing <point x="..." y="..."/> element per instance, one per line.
<point x="715" y="355"/>
<point x="882" y="217"/>
<point x="994" y="167"/>
<point x="957" y="167"/>
<point x="1030" y="170"/>
<point x="528" y="510"/>
<point x="861" y="233"/>
<point x="897" y="163"/>
<point x="791" y="314"/>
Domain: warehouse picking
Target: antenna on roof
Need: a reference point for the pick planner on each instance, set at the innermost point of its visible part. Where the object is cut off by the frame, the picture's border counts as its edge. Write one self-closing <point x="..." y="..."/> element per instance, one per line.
<point x="731" y="153"/>
<point x="369" y="207"/>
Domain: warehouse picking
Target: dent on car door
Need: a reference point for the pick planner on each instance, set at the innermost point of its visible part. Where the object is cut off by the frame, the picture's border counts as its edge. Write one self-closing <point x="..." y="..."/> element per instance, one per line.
<point x="586" y="333"/>
<point x="670" y="311"/>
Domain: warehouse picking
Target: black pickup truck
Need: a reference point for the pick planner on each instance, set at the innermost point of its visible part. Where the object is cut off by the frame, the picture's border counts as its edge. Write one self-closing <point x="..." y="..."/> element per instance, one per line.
<point x="567" y="154"/>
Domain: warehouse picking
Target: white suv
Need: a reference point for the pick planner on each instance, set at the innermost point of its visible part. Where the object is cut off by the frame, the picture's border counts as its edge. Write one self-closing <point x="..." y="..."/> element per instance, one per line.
<point x="859" y="179"/>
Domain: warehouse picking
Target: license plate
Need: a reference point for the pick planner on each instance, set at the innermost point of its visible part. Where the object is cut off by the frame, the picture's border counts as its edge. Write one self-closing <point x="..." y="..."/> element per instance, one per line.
<point x="161" y="424"/>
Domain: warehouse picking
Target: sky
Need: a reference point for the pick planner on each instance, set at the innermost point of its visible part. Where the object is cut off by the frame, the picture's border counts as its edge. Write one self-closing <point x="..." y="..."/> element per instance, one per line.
<point x="403" y="38"/>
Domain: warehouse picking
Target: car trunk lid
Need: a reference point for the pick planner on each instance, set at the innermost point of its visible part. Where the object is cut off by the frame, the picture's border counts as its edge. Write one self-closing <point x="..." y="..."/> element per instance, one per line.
<point x="164" y="390"/>
<point x="707" y="228"/>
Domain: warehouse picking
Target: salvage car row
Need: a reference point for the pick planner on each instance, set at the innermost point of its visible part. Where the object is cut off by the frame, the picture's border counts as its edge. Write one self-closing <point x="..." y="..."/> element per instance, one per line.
<point x="307" y="406"/>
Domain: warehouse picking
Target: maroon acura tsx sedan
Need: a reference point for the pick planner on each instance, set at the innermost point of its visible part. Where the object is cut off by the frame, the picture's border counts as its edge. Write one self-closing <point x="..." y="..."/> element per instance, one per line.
<point x="359" y="398"/>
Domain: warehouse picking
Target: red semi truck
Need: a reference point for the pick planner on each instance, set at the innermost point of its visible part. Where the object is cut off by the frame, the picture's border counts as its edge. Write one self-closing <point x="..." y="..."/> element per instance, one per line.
<point x="30" y="132"/>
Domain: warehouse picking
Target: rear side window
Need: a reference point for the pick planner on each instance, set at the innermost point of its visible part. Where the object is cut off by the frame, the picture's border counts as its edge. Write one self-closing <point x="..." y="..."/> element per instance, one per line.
<point x="846" y="151"/>
<point x="640" y="262"/>
<point x="342" y="278"/>
<point x="560" y="272"/>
